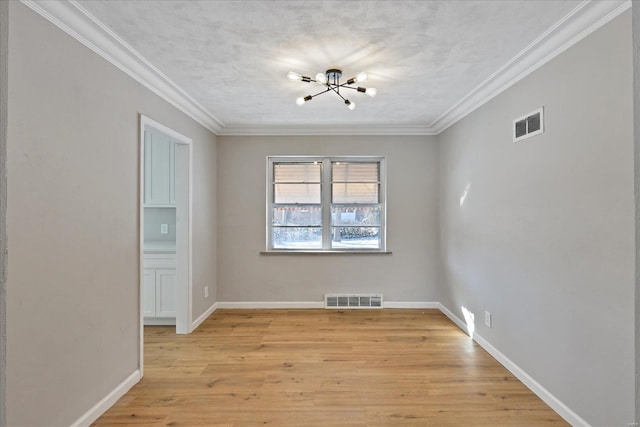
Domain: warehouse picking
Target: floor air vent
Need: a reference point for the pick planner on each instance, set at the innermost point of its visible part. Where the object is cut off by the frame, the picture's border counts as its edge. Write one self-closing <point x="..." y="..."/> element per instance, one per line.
<point x="353" y="301"/>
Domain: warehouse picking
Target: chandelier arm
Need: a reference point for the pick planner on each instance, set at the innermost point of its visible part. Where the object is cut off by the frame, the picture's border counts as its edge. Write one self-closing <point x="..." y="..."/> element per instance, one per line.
<point x="333" y="88"/>
<point x="338" y="93"/>
<point x="320" y="93"/>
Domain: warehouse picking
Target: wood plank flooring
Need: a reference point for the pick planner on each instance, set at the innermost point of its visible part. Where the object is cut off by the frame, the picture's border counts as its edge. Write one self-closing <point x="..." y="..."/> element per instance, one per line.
<point x="324" y="368"/>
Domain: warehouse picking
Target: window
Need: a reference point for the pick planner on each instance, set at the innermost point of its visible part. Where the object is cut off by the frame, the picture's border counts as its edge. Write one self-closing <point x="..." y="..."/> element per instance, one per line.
<point x="326" y="204"/>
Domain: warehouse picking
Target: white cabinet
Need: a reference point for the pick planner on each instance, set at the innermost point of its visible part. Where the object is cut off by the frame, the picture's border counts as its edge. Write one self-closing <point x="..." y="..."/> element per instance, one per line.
<point x="159" y="170"/>
<point x="159" y="289"/>
<point x="165" y="293"/>
<point x="149" y="293"/>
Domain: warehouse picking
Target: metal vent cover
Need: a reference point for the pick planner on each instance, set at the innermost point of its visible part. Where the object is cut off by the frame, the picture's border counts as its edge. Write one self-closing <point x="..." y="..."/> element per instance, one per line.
<point x="349" y="301"/>
<point x="528" y="125"/>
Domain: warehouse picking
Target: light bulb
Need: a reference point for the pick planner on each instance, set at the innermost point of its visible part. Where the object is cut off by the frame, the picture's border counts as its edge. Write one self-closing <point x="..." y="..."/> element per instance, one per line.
<point x="321" y="78"/>
<point x="293" y="76"/>
<point x="369" y="91"/>
<point x="350" y="105"/>
<point x="361" y="77"/>
<point x="301" y="100"/>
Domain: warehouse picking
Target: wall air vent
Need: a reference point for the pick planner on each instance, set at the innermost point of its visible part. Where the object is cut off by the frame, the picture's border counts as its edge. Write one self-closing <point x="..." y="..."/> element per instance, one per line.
<point x="348" y="301"/>
<point x="528" y="125"/>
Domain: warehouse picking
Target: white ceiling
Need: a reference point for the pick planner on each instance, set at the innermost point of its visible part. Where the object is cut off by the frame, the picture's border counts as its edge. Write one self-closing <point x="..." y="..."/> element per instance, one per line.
<point x="424" y="57"/>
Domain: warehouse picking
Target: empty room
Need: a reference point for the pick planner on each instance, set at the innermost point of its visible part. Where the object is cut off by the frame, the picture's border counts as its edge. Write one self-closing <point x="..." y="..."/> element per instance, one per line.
<point x="319" y="213"/>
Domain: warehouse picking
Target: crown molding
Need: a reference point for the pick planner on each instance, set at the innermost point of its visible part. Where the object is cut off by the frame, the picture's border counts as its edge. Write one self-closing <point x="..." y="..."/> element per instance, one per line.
<point x="325" y="130"/>
<point x="583" y="20"/>
<point x="76" y="21"/>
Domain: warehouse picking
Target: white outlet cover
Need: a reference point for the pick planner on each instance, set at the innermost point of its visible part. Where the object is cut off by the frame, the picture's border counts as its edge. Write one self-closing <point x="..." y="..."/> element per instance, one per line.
<point x="487" y="319"/>
<point x="164" y="228"/>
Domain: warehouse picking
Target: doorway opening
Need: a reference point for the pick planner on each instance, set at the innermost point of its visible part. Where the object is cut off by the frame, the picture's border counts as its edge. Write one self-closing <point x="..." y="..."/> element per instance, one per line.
<point x="166" y="161"/>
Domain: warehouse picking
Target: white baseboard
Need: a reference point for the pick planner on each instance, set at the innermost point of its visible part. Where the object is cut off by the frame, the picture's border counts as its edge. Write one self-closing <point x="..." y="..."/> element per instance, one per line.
<point x="271" y="304"/>
<point x="544" y="394"/>
<point x="204" y="316"/>
<point x="317" y="304"/>
<point x="455" y="319"/>
<point x="411" y="304"/>
<point x="108" y="401"/>
<point x="159" y="321"/>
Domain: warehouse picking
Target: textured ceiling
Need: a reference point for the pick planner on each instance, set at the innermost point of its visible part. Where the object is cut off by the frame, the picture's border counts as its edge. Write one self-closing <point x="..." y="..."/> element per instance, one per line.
<point x="422" y="56"/>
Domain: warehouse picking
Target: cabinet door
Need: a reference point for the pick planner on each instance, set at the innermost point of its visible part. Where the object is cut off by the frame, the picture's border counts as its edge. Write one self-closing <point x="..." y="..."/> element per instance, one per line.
<point x="149" y="293"/>
<point x="158" y="166"/>
<point x="165" y="293"/>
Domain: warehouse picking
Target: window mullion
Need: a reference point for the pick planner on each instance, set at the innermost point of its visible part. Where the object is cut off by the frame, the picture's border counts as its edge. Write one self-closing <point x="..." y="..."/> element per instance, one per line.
<point x="326" y="204"/>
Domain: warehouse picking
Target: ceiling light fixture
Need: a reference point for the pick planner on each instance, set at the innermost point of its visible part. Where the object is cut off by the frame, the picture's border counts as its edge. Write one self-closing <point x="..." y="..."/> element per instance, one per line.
<point x="331" y="79"/>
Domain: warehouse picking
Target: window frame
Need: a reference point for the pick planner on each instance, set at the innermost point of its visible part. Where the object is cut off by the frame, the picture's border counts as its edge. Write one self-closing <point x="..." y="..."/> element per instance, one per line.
<point x="326" y="201"/>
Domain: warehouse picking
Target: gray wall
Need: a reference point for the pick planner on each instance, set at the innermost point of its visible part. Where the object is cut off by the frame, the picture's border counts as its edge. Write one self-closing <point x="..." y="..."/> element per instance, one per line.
<point x="153" y="219"/>
<point x="4" y="49"/>
<point x="545" y="237"/>
<point x="205" y="217"/>
<point x="72" y="222"/>
<point x="636" y="120"/>
<point x="411" y="273"/>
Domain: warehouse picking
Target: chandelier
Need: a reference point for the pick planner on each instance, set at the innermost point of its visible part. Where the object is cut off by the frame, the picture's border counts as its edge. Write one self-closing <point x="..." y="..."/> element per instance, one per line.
<point x="331" y="80"/>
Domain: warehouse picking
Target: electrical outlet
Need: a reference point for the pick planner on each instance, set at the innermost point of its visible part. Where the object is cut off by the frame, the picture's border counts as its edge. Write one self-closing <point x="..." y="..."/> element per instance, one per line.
<point x="164" y="228"/>
<point x="487" y="319"/>
<point x="206" y="292"/>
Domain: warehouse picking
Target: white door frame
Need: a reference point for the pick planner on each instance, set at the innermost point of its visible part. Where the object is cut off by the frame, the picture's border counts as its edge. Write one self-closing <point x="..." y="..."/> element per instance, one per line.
<point x="184" y="230"/>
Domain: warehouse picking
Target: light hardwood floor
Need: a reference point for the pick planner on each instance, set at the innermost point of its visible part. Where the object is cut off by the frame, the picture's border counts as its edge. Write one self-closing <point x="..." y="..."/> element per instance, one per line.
<point x="324" y="368"/>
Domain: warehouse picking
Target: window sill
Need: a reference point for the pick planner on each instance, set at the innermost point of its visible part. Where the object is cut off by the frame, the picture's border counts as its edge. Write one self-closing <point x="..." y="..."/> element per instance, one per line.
<point x="325" y="253"/>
